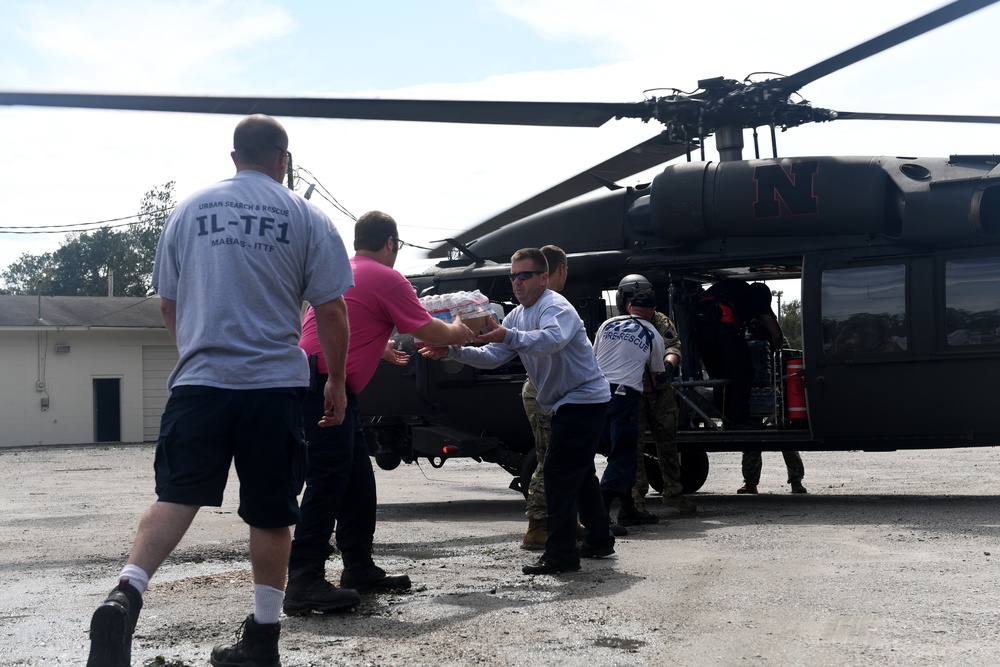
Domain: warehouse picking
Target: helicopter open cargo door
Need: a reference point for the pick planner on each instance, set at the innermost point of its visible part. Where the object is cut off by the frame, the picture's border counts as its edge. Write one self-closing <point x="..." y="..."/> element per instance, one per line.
<point x="901" y="348"/>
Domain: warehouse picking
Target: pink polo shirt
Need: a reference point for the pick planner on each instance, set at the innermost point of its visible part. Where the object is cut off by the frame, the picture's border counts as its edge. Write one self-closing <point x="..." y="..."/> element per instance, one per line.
<point x="380" y="301"/>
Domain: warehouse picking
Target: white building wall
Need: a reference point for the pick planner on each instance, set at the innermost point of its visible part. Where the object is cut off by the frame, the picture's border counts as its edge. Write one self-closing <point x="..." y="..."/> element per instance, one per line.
<point x="158" y="362"/>
<point x="19" y="407"/>
<point x="29" y="357"/>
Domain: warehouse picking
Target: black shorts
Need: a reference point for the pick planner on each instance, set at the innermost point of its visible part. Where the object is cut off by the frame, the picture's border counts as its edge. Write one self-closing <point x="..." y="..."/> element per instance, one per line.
<point x="204" y="429"/>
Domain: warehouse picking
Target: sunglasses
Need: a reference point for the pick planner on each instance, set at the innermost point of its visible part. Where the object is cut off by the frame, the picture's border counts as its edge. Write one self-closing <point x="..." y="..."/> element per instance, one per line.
<point x="524" y="275"/>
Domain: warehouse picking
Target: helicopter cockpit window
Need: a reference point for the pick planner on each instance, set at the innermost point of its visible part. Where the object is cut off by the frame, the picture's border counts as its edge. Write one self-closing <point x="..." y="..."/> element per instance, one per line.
<point x="972" y="301"/>
<point x="864" y="310"/>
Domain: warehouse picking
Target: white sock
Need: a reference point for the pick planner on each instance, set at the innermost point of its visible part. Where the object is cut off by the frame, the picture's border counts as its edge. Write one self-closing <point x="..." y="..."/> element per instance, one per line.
<point x="136" y="576"/>
<point x="266" y="603"/>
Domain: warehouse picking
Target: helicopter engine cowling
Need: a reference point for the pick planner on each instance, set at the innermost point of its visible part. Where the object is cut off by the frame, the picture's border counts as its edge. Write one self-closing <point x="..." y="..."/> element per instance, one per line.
<point x="806" y="196"/>
<point x="737" y="207"/>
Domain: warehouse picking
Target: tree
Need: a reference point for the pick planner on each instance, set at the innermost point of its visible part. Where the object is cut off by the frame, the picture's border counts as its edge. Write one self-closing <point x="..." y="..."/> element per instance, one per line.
<point x="89" y="263"/>
<point x="144" y="235"/>
<point x="25" y="275"/>
<point x="790" y="320"/>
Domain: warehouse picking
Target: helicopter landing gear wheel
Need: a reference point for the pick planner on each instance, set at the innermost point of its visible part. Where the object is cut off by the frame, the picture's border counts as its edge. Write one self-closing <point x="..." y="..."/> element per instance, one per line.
<point x="529" y="462"/>
<point x="694" y="470"/>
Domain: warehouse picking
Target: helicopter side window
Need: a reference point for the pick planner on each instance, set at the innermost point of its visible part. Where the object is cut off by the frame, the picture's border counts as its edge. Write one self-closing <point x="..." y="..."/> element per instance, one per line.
<point x="864" y="310"/>
<point x="972" y="301"/>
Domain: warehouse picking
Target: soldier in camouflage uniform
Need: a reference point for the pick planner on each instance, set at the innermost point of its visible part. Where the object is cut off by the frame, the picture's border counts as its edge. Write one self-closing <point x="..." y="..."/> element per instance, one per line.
<point x="752" y="464"/>
<point x="658" y="411"/>
<point x="539" y="420"/>
<point x="534" y="537"/>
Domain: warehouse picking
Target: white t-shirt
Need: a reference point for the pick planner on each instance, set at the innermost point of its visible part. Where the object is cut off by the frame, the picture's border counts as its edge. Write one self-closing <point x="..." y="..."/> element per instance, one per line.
<point x="239" y="257"/>
<point x="625" y="346"/>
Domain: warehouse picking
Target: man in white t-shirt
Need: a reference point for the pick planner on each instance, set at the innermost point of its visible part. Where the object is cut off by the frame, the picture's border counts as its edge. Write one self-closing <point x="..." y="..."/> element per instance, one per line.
<point x="629" y="352"/>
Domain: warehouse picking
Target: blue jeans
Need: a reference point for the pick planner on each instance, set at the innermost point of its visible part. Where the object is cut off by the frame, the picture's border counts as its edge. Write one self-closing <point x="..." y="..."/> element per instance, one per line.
<point x="571" y="486"/>
<point x="340" y="487"/>
<point x="623" y="419"/>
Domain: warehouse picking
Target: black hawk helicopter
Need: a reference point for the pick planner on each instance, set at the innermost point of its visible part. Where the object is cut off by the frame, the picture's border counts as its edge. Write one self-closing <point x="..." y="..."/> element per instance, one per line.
<point x="898" y="257"/>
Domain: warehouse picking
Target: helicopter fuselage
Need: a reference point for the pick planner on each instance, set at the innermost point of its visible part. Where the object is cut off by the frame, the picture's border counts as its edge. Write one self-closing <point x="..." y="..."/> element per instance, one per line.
<point x="899" y="268"/>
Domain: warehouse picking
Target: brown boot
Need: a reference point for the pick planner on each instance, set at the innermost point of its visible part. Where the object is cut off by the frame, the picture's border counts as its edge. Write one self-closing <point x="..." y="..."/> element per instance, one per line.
<point x="534" y="538"/>
<point x="680" y="503"/>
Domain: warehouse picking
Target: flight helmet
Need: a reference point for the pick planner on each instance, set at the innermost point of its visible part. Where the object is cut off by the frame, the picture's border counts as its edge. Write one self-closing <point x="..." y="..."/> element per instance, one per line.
<point x="628" y="286"/>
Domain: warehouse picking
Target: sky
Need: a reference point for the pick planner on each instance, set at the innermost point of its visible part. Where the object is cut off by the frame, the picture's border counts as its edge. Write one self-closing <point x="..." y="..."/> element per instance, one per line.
<point x="70" y="167"/>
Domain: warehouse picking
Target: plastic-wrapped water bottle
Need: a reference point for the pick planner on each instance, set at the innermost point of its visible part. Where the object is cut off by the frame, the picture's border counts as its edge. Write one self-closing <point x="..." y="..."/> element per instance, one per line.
<point x="466" y="306"/>
<point x="436" y="306"/>
<point x="480" y="304"/>
<point x="450" y="303"/>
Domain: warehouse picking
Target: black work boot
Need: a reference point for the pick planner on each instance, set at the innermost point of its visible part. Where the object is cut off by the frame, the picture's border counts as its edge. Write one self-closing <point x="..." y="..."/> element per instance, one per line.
<point x="629" y="514"/>
<point x="616" y="529"/>
<point x="112" y="625"/>
<point x="308" y="591"/>
<point x="363" y="575"/>
<point x="256" y="646"/>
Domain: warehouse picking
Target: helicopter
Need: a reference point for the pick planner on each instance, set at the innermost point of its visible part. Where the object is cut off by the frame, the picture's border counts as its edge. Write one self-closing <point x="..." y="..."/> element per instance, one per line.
<point x="898" y="259"/>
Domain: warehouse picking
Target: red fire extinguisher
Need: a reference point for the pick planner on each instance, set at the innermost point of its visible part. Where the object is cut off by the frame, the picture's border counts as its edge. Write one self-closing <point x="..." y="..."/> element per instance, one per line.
<point x="795" y="390"/>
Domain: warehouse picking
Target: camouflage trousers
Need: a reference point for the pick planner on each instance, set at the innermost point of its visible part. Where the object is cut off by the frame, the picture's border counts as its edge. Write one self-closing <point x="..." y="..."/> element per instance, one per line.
<point x="658" y="414"/>
<point x="752" y="463"/>
<point x="540" y="422"/>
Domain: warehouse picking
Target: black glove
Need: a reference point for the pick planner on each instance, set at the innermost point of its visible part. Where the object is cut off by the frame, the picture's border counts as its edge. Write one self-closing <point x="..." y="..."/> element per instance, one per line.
<point x="663" y="379"/>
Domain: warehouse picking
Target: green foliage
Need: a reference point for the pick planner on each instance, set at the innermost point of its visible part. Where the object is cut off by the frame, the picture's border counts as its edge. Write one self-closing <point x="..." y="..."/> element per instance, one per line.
<point x="88" y="262"/>
<point x="27" y="275"/>
<point x="790" y="320"/>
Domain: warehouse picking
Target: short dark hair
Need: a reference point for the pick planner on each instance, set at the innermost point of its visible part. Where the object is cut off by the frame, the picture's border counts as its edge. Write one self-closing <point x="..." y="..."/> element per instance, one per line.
<point x="760" y="295"/>
<point x="644" y="299"/>
<point x="554" y="256"/>
<point x="372" y="229"/>
<point x="257" y="137"/>
<point x="537" y="257"/>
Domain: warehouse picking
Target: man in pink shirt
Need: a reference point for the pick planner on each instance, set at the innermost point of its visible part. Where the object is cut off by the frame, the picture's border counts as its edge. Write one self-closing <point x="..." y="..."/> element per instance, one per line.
<point x="340" y="482"/>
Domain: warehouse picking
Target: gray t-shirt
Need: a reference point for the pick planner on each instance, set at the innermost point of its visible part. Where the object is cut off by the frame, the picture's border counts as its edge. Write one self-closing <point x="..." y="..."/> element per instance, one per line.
<point x="239" y="257"/>
<point x="555" y="351"/>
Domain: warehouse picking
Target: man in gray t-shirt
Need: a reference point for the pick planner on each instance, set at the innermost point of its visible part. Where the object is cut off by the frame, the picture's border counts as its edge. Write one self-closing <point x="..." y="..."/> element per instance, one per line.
<point x="233" y="265"/>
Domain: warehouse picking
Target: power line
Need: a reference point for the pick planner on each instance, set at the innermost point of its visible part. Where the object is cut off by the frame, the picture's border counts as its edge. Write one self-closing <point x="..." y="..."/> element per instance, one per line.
<point x="135" y="219"/>
<point x="67" y="228"/>
<point x="328" y="196"/>
<point x="108" y="314"/>
<point x="70" y="231"/>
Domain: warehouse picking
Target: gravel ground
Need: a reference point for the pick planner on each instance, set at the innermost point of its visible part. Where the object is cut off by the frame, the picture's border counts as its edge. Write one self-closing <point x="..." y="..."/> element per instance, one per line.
<point x="890" y="560"/>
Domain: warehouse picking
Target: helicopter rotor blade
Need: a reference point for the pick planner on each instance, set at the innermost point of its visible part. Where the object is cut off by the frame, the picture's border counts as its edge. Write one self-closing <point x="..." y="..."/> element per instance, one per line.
<point x="933" y="118"/>
<point x="554" y="114"/>
<point x="643" y="156"/>
<point x="907" y="31"/>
